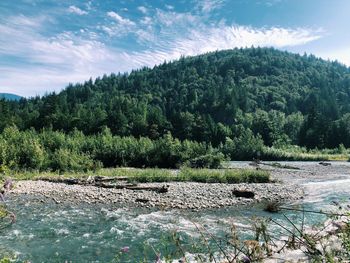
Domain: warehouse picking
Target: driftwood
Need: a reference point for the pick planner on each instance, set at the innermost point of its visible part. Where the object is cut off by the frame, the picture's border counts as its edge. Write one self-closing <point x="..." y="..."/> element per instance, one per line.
<point x="108" y="179"/>
<point x="324" y="163"/>
<point x="142" y="200"/>
<point x="103" y="182"/>
<point x="243" y="193"/>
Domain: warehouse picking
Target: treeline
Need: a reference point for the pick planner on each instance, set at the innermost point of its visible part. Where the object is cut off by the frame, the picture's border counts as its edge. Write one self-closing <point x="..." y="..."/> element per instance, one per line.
<point x="215" y="98"/>
<point x="50" y="150"/>
<point x="57" y="151"/>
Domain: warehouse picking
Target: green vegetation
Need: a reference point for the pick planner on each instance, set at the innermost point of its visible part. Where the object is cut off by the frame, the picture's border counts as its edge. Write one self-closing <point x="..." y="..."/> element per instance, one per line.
<point x="296" y="153"/>
<point x="201" y="175"/>
<point x="238" y="104"/>
<point x="285" y="98"/>
<point x="231" y="176"/>
<point x="53" y="150"/>
<point x="9" y="96"/>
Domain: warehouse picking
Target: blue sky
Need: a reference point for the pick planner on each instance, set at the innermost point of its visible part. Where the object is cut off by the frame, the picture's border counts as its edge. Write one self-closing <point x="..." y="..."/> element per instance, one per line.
<point x="46" y="44"/>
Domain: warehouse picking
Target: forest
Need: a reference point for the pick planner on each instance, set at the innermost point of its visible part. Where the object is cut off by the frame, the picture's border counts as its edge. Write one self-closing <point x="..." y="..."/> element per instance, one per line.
<point x="236" y="104"/>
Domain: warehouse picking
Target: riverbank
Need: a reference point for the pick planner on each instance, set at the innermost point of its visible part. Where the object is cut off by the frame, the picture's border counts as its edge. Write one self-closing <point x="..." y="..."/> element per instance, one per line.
<point x="288" y="176"/>
<point x="180" y="195"/>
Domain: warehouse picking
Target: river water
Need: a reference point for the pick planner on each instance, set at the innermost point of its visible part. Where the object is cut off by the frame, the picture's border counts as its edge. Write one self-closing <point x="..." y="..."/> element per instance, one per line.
<point x="48" y="232"/>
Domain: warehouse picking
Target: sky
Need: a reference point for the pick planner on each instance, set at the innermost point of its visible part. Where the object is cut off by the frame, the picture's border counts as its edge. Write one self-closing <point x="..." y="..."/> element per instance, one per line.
<point x="47" y="44"/>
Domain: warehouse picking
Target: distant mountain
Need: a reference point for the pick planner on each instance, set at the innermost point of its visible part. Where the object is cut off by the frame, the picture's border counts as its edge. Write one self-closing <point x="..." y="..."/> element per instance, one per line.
<point x="9" y="96"/>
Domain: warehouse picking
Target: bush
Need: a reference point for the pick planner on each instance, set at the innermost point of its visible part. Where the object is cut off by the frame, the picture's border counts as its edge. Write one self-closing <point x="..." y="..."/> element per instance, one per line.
<point x="212" y="161"/>
<point x="245" y="146"/>
<point x="21" y="150"/>
<point x="66" y="160"/>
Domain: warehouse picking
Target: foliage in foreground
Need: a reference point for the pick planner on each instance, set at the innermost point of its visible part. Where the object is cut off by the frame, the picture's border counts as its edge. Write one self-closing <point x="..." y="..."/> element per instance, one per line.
<point x="268" y="239"/>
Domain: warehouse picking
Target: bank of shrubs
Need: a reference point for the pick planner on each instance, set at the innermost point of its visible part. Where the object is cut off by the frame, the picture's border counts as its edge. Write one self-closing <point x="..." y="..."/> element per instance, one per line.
<point x="50" y="150"/>
<point x="53" y="150"/>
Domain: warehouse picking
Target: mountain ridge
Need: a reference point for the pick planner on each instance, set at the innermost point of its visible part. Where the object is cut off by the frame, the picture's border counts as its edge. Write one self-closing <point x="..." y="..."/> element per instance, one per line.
<point x="282" y="97"/>
<point x="9" y="96"/>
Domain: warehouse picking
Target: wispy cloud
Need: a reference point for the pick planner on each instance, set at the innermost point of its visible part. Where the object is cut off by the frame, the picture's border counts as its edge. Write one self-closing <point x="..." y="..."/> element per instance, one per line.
<point x="146" y="20"/>
<point x="270" y="2"/>
<point x="169" y="18"/>
<point x="120" y="19"/>
<point x="169" y="7"/>
<point x="226" y="37"/>
<point x="68" y="57"/>
<point x="142" y="9"/>
<point x="209" y="5"/>
<point x="76" y="10"/>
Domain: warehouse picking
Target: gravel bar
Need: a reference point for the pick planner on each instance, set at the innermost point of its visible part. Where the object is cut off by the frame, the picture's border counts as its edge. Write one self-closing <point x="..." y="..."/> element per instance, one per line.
<point x="180" y="195"/>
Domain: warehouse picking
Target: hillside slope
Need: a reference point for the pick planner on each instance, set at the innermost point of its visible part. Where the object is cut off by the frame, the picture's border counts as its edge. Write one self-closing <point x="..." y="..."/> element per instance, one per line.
<point x="284" y="98"/>
<point x="9" y="96"/>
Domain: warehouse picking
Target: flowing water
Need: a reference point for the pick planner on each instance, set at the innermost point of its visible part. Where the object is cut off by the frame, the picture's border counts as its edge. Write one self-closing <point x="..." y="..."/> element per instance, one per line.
<point x="48" y="232"/>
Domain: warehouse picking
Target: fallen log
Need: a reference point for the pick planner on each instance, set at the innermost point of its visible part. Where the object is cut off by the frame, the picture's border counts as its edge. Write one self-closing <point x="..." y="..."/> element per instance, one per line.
<point x="114" y="186"/>
<point x="102" y="184"/>
<point x="158" y="189"/>
<point x="142" y="200"/>
<point x="324" y="163"/>
<point x="243" y="193"/>
<point x="161" y="189"/>
<point x="108" y="179"/>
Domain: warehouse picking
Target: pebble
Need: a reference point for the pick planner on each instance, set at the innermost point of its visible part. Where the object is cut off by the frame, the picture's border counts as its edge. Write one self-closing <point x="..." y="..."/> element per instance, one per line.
<point x="181" y="195"/>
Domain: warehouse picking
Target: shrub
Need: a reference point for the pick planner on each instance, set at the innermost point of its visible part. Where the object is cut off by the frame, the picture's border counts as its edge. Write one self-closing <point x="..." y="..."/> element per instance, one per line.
<point x="212" y="161"/>
<point x="67" y="160"/>
<point x="245" y="146"/>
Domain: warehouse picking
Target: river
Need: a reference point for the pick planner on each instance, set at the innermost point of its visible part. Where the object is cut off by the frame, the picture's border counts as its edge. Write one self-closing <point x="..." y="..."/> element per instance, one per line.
<point x="48" y="232"/>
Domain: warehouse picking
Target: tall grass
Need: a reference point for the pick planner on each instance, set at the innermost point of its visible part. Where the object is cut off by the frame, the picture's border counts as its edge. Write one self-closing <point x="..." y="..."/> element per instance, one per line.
<point x="297" y="153"/>
<point x="231" y="176"/>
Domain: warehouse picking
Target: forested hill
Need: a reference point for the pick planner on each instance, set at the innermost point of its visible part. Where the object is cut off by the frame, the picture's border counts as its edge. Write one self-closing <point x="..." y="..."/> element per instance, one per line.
<point x="285" y="98"/>
<point x="9" y="96"/>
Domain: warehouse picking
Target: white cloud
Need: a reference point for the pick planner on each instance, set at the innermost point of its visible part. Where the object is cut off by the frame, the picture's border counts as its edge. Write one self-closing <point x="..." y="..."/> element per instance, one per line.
<point x="146" y="20"/>
<point x="224" y="37"/>
<point x="173" y="18"/>
<point x="145" y="36"/>
<point x="76" y="10"/>
<point x="120" y="20"/>
<point x="143" y="9"/>
<point x="169" y="7"/>
<point x="207" y="6"/>
<point x="54" y="62"/>
<point x="270" y="2"/>
<point x="89" y="5"/>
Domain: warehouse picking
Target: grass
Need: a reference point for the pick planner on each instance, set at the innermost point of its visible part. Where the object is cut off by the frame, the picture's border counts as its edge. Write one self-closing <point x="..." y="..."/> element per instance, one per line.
<point x="231" y="176"/>
<point x="296" y="153"/>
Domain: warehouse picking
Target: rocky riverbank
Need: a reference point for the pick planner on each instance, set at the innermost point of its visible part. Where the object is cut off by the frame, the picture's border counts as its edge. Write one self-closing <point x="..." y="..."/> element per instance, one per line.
<point x="180" y="195"/>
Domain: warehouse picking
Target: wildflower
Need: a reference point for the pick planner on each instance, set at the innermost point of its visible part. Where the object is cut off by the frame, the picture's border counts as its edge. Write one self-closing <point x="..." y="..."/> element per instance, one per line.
<point x="246" y="259"/>
<point x="8" y="185"/>
<point x="124" y="249"/>
<point x="158" y="259"/>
